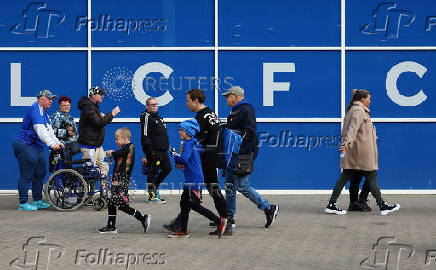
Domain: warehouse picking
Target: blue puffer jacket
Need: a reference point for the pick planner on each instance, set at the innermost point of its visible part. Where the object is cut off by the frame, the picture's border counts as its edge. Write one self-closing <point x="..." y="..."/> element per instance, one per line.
<point x="190" y="158"/>
<point x="243" y="119"/>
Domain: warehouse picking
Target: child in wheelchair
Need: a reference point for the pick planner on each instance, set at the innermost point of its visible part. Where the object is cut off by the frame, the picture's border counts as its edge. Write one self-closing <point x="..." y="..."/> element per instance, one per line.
<point x="118" y="196"/>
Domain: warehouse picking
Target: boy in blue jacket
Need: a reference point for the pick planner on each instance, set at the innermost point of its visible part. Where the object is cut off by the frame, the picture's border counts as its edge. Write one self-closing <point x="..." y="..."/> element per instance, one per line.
<point x="192" y="170"/>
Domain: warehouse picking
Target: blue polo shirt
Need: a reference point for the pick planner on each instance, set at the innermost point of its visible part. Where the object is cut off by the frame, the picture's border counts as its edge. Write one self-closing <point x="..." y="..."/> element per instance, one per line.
<point x="27" y="134"/>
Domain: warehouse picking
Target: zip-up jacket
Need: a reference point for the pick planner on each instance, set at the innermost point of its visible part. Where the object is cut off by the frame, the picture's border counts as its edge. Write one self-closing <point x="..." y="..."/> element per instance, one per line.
<point x="154" y="135"/>
<point x="243" y="119"/>
<point x="91" y="124"/>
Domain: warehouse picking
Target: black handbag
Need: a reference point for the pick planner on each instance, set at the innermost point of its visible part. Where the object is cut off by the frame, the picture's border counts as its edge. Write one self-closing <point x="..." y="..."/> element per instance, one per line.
<point x="245" y="165"/>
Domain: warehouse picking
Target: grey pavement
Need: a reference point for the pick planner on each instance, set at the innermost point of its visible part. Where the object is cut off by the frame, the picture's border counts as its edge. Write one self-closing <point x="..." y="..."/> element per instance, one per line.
<point x="303" y="237"/>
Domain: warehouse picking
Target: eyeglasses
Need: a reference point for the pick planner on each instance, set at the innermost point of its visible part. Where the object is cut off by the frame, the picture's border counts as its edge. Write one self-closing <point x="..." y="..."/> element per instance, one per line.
<point x="153" y="105"/>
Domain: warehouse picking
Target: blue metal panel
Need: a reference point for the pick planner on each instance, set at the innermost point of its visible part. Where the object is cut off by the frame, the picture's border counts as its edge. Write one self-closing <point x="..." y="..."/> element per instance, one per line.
<point x="60" y="72"/>
<point x="279" y="23"/>
<point x="390" y="23"/>
<point x="371" y="71"/>
<point x="42" y="23"/>
<point x="406" y="155"/>
<point x="116" y="70"/>
<point x="314" y="86"/>
<point x="153" y="23"/>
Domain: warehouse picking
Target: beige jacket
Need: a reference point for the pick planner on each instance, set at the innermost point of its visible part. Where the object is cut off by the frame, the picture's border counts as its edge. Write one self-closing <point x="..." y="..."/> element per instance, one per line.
<point x="358" y="135"/>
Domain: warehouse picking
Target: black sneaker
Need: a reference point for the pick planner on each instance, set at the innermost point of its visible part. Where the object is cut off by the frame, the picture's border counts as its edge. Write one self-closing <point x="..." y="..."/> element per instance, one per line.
<point x="222" y="227"/>
<point x="333" y="209"/>
<point x="356" y="206"/>
<point x="146" y="222"/>
<point x="386" y="208"/>
<point x="173" y="226"/>
<point x="364" y="204"/>
<point x="229" y="221"/>
<point x="228" y="231"/>
<point x="107" y="230"/>
<point x="271" y="215"/>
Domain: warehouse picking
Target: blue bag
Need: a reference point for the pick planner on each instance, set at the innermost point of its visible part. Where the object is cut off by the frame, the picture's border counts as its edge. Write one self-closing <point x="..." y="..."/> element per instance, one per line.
<point x="231" y="142"/>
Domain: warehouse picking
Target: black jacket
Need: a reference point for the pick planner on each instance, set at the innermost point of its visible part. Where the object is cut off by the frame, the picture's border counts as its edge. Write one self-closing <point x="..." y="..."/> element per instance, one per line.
<point x="91" y="124"/>
<point x="154" y="135"/>
<point x="243" y="119"/>
<point x="209" y="136"/>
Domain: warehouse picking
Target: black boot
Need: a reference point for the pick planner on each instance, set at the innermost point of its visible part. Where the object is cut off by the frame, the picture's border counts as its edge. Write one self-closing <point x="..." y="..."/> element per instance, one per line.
<point x="364" y="204"/>
<point x="356" y="206"/>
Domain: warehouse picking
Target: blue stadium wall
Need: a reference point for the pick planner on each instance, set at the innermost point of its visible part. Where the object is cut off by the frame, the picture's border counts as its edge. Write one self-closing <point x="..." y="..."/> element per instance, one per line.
<point x="297" y="61"/>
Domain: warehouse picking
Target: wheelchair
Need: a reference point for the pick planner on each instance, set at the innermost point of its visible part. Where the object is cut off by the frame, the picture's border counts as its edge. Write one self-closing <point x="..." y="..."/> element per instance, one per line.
<point x="72" y="183"/>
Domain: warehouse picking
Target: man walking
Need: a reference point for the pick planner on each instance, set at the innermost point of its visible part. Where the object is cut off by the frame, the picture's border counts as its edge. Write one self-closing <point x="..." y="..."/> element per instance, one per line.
<point x="155" y="144"/>
<point x="243" y="120"/>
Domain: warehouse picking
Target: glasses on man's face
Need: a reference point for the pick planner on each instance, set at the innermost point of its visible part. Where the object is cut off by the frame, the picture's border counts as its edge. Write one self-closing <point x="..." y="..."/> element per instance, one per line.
<point x="153" y="104"/>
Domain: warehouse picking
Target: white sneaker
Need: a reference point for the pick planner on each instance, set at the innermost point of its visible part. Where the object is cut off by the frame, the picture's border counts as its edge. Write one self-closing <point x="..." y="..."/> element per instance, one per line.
<point x="333" y="209"/>
<point x="386" y="208"/>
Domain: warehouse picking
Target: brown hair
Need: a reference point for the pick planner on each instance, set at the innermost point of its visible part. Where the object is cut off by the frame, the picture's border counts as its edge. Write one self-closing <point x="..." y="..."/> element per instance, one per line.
<point x="197" y="94"/>
<point x="357" y="95"/>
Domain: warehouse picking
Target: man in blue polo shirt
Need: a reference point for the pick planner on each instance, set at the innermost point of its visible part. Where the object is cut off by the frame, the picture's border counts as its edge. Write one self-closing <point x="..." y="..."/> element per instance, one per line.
<point x="30" y="149"/>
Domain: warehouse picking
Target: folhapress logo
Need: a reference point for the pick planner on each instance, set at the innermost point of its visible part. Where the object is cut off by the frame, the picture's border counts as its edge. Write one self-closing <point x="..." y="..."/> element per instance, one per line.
<point x="38" y="254"/>
<point x="387" y="254"/>
<point x="387" y="20"/>
<point x="38" y="20"/>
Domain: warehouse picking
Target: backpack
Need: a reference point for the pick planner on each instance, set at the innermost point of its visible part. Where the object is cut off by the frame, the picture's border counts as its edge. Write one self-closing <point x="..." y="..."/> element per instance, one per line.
<point x="231" y="142"/>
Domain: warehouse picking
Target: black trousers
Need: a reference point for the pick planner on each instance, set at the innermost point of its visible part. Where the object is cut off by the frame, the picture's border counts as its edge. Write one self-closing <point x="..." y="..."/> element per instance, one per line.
<point x="211" y="181"/>
<point x="354" y="187"/>
<point x="346" y="175"/>
<point x="191" y="201"/>
<point x="158" y="170"/>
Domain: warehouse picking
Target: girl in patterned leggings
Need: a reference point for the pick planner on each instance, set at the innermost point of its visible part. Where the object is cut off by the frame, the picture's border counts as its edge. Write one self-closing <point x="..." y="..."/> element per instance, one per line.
<point x="118" y="198"/>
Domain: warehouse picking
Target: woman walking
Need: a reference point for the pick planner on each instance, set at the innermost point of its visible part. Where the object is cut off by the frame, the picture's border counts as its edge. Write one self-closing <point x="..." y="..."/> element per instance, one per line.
<point x="359" y="152"/>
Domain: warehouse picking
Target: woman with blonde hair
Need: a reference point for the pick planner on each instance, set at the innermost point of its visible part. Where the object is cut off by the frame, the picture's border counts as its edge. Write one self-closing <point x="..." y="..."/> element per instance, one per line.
<point x="359" y="152"/>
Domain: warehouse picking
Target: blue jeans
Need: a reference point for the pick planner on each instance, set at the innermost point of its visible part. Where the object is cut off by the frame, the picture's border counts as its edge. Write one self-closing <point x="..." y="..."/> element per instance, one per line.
<point x="32" y="163"/>
<point x="235" y="183"/>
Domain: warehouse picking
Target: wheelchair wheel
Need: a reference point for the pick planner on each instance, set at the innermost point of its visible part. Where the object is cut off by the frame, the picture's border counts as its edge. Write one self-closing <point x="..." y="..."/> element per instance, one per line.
<point x="66" y="190"/>
<point x="99" y="204"/>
